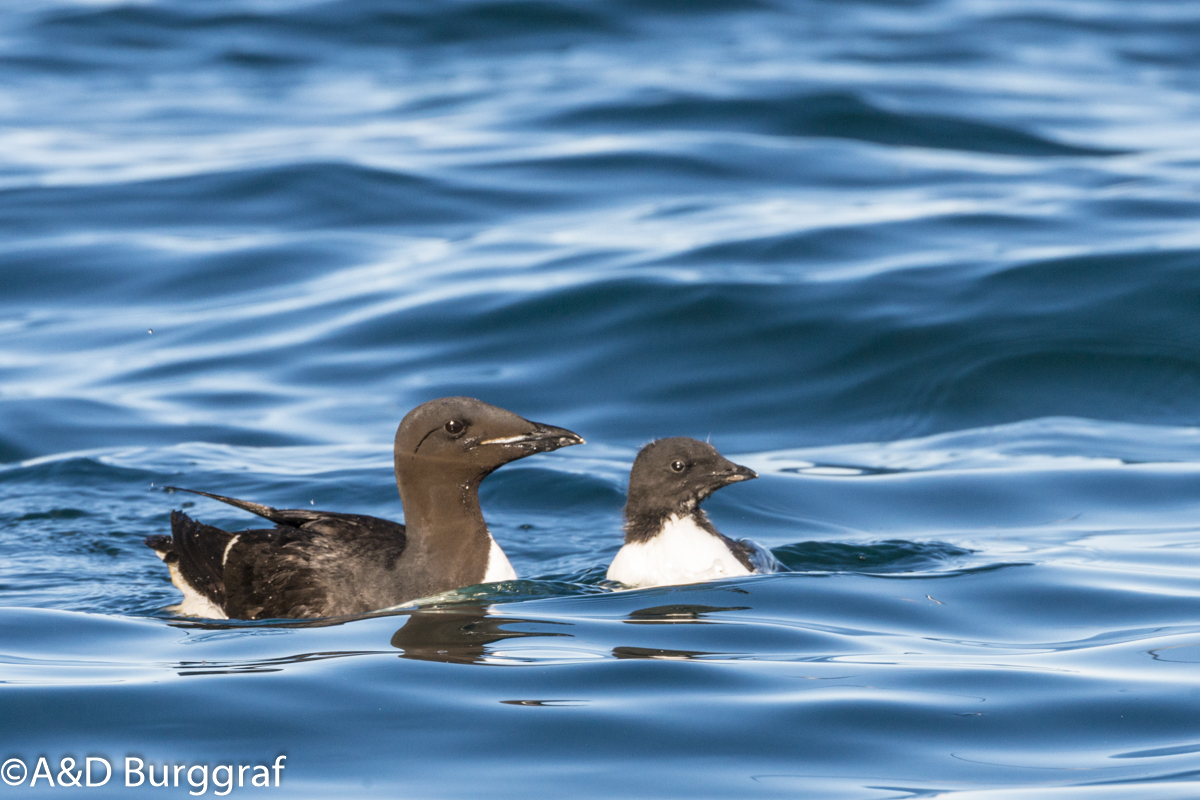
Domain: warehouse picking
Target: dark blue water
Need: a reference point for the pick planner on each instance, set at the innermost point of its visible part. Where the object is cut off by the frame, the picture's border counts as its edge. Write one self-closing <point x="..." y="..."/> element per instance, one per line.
<point x="931" y="268"/>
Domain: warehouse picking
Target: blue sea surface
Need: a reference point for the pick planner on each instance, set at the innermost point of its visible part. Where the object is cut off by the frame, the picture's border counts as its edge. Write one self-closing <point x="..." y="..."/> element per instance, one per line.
<point x="931" y="267"/>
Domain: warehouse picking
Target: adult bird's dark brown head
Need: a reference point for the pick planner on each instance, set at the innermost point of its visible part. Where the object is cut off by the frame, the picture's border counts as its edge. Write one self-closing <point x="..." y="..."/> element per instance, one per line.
<point x="470" y="438"/>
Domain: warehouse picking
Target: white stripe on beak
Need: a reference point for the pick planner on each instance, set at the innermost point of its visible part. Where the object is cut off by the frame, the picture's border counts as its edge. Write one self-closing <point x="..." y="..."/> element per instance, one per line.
<point x="508" y="439"/>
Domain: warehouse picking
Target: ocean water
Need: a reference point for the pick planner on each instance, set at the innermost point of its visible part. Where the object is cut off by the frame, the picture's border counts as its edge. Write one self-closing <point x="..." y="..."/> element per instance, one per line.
<point x="931" y="267"/>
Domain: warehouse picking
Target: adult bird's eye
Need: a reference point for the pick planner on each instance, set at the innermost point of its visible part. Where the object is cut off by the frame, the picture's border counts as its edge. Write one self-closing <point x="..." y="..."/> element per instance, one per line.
<point x="677" y="466"/>
<point x="454" y="427"/>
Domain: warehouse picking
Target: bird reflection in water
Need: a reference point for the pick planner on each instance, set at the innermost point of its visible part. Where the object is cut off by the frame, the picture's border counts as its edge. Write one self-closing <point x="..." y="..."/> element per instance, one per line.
<point x="461" y="635"/>
<point x="464" y="634"/>
<point x="678" y="614"/>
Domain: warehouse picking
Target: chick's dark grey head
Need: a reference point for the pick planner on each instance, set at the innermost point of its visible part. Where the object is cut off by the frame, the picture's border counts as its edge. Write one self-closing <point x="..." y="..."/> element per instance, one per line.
<point x="673" y="476"/>
<point x="462" y="434"/>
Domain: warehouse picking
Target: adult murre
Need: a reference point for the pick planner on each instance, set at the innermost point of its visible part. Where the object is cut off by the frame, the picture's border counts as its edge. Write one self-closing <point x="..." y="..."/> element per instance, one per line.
<point x="668" y="537"/>
<point x="323" y="564"/>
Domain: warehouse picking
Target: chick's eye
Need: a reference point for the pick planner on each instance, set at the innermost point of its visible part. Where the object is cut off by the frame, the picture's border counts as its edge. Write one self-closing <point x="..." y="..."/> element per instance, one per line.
<point x="454" y="427"/>
<point x="677" y="466"/>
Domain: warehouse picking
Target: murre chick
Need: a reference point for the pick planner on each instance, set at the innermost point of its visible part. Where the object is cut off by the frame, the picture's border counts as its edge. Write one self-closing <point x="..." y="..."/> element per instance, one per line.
<point x="323" y="563"/>
<point x="668" y="538"/>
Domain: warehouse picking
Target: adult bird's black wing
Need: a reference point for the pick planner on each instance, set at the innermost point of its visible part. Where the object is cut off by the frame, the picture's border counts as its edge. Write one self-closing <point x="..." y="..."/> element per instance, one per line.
<point x="312" y="564"/>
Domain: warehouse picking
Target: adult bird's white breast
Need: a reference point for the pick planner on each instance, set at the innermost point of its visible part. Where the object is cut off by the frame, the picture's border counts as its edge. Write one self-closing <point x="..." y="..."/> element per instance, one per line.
<point x="682" y="552"/>
<point x="498" y="567"/>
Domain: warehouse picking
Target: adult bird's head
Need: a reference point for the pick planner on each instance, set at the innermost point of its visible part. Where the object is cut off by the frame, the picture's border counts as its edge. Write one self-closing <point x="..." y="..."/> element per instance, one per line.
<point x="469" y="438"/>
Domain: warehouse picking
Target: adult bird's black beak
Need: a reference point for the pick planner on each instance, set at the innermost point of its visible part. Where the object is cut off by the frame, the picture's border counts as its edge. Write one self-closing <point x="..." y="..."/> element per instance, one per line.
<point x="542" y="439"/>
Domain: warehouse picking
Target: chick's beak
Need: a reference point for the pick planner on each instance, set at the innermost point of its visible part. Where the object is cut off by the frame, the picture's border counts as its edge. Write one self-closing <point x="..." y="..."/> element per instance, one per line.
<point x="730" y="472"/>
